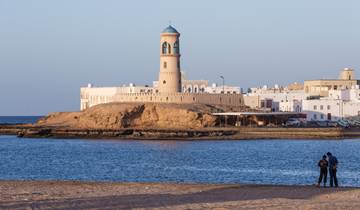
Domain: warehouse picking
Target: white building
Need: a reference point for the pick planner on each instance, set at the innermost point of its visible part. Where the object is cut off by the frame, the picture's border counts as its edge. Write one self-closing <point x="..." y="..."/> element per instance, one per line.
<point x="323" y="109"/>
<point x="291" y="106"/>
<point x="214" y="88"/>
<point x="338" y="105"/>
<point x="91" y="96"/>
<point x="276" y="99"/>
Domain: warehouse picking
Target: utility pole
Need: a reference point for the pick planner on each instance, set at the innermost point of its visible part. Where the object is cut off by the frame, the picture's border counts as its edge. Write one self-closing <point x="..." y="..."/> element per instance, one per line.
<point x="223" y="83"/>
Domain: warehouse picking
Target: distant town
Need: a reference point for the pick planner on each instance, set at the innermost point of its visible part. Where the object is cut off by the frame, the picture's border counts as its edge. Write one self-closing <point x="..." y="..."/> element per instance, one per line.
<point x="324" y="102"/>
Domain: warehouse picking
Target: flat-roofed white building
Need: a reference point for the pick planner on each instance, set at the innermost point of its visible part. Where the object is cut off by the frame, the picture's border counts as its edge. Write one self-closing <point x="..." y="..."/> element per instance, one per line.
<point x="91" y="95"/>
<point x="338" y="105"/>
<point x="276" y="98"/>
<point x="215" y="88"/>
<point x="291" y="106"/>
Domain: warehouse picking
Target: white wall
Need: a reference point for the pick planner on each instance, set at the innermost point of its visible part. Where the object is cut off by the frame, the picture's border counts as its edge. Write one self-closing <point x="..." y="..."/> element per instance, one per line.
<point x="351" y="109"/>
<point x="290" y="106"/>
<point x="339" y="94"/>
<point x="318" y="109"/>
<point x="280" y="98"/>
<point x="220" y="89"/>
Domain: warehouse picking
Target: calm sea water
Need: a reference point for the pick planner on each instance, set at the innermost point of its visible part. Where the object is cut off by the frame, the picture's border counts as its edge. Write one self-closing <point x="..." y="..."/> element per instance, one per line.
<point x="261" y="162"/>
<point x="19" y="119"/>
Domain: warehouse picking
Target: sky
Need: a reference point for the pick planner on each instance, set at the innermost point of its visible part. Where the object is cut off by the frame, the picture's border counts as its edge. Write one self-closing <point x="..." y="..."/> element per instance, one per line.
<point x="49" y="49"/>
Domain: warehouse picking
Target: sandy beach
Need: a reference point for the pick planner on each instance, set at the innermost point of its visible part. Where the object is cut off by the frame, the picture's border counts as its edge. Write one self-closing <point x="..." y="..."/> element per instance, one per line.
<point x="97" y="195"/>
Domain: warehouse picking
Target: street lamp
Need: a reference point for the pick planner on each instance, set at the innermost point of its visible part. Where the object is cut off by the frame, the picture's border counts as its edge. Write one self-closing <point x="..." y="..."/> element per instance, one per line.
<point x="223" y="83"/>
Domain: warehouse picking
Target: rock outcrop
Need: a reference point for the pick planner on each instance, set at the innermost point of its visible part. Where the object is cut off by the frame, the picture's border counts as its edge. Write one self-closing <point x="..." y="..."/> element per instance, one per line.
<point x="135" y="115"/>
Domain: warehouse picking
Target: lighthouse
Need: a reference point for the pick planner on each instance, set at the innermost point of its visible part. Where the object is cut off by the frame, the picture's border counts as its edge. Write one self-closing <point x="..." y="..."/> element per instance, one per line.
<point x="169" y="75"/>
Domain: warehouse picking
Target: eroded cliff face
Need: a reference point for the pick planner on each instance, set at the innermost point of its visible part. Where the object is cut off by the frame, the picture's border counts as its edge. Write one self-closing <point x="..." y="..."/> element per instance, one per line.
<point x="141" y="115"/>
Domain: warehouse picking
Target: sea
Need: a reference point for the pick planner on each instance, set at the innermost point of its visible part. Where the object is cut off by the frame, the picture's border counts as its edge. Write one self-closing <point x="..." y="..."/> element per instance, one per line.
<point x="280" y="162"/>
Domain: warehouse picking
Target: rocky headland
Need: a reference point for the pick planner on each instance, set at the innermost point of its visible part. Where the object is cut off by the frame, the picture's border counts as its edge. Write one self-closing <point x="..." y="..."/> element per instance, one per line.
<point x="159" y="121"/>
<point x="135" y="115"/>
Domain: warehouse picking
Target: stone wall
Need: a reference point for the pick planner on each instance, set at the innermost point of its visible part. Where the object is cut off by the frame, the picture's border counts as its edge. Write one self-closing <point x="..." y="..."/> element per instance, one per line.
<point x="95" y="98"/>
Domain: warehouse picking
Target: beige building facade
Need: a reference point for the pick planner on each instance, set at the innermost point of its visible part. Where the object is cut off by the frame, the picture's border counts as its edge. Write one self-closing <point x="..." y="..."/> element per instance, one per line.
<point x="169" y="89"/>
<point x="322" y="87"/>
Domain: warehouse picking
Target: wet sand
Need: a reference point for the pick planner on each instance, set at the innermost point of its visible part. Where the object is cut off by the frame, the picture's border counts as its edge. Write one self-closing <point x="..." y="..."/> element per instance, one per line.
<point x="97" y="195"/>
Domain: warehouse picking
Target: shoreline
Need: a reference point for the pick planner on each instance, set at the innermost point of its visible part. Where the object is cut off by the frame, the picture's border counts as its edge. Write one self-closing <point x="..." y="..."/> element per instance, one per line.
<point x="129" y="195"/>
<point x="215" y="133"/>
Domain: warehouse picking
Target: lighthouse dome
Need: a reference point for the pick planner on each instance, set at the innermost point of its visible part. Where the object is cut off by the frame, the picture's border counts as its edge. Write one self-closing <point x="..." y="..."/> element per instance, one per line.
<point x="170" y="30"/>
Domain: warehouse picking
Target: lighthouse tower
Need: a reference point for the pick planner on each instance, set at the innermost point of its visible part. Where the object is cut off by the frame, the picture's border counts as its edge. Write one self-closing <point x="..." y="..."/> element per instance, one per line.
<point x="169" y="76"/>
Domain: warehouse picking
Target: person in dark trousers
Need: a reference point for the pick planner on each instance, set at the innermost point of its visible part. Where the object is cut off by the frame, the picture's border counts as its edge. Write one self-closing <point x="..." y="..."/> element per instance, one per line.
<point x="333" y="162"/>
<point x="323" y="165"/>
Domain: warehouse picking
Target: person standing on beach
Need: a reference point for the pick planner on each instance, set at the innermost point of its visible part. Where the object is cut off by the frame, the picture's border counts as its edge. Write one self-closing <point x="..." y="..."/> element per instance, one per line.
<point x="323" y="164"/>
<point x="333" y="162"/>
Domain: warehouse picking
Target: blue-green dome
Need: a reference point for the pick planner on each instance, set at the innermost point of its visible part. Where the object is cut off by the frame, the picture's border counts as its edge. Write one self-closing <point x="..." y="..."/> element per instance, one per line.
<point x="170" y="30"/>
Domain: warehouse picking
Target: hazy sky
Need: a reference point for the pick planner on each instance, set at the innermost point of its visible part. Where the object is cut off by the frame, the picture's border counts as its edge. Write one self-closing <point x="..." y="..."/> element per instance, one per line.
<point x="48" y="49"/>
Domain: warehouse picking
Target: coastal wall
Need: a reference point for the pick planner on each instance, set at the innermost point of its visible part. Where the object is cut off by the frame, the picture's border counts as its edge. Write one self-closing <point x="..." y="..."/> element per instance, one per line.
<point x="92" y="98"/>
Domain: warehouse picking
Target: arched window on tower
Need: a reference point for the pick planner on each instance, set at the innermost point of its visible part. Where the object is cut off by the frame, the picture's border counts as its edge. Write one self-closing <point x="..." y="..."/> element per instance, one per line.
<point x="176" y="47"/>
<point x="164" y="48"/>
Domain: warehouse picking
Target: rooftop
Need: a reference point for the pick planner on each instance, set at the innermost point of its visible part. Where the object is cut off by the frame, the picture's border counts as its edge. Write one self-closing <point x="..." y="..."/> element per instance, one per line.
<point x="170" y="30"/>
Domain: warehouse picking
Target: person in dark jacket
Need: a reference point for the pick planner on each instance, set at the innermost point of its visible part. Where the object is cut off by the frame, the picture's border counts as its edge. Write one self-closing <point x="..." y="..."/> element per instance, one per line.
<point x="323" y="165"/>
<point x="333" y="163"/>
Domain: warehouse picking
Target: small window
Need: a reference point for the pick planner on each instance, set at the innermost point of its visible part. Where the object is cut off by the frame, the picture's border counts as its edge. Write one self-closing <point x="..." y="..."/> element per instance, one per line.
<point x="322" y="116"/>
<point x="328" y="107"/>
<point x="165" y="48"/>
<point x="315" y="116"/>
<point x="176" y="47"/>
<point x="315" y="107"/>
<point x="164" y="82"/>
<point x="321" y="108"/>
<point x="165" y="65"/>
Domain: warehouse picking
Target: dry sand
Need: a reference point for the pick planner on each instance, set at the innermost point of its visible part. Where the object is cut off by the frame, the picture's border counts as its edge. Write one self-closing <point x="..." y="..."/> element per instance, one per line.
<point x="95" y="195"/>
